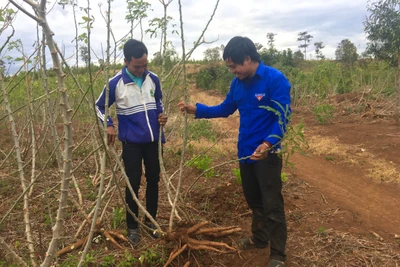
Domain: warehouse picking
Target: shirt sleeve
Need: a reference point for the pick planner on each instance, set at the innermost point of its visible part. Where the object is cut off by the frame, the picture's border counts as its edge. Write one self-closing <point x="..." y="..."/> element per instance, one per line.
<point x="100" y="103"/>
<point x="226" y="108"/>
<point x="158" y="96"/>
<point x="280" y="97"/>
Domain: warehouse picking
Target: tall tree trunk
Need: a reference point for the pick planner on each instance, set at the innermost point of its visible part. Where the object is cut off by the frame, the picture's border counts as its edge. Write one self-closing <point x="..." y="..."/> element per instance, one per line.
<point x="16" y="136"/>
<point x="97" y="209"/>
<point x="52" y="120"/>
<point x="398" y="89"/>
<point x="68" y="143"/>
<point x="76" y="35"/>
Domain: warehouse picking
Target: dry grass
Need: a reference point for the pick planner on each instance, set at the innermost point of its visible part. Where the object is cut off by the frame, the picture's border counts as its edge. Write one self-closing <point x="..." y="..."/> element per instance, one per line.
<point x="378" y="170"/>
<point x="335" y="248"/>
<point x="320" y="145"/>
<point x="384" y="171"/>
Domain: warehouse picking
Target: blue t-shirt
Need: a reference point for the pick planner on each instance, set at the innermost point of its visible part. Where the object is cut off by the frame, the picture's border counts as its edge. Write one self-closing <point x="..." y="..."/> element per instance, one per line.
<point x="138" y="80"/>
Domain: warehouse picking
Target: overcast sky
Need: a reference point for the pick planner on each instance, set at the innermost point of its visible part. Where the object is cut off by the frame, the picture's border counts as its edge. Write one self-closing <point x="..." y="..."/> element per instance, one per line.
<point x="328" y="21"/>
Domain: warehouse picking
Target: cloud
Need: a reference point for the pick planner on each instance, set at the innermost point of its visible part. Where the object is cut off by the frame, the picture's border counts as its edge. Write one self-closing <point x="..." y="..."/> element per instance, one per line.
<point x="328" y="21"/>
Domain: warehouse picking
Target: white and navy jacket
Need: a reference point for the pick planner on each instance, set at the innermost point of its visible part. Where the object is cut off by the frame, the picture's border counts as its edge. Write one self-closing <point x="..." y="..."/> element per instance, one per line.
<point x="137" y="108"/>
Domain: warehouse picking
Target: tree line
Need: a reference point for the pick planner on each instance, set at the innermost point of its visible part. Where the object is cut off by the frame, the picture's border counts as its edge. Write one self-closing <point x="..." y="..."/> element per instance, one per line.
<point x="381" y="27"/>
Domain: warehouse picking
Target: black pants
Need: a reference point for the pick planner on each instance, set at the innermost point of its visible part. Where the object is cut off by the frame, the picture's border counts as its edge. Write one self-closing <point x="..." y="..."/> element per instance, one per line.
<point x="133" y="155"/>
<point x="262" y="188"/>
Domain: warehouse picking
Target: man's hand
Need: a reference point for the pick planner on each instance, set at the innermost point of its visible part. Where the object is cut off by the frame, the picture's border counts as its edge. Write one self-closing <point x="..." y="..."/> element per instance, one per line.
<point x="110" y="135"/>
<point x="162" y="119"/>
<point x="190" y="109"/>
<point x="261" y="151"/>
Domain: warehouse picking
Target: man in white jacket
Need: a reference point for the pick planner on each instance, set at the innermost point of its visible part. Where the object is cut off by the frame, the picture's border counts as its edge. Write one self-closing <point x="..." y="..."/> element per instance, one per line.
<point x="137" y="95"/>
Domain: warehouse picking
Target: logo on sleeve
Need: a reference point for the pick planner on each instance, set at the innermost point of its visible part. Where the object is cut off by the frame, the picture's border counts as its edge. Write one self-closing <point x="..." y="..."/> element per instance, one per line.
<point x="151" y="92"/>
<point x="259" y="96"/>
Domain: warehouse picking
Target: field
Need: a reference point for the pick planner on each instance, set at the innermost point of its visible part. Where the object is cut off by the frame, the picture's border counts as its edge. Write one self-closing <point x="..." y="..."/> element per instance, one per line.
<point x="341" y="194"/>
<point x="341" y="197"/>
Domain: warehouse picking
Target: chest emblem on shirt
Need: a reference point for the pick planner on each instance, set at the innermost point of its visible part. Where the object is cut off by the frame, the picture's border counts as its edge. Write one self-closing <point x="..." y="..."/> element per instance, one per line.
<point x="259" y="96"/>
<point x="151" y="92"/>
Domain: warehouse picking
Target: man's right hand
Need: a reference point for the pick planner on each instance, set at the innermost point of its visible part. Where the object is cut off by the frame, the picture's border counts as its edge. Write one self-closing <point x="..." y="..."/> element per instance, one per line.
<point x="190" y="109"/>
<point x="110" y="135"/>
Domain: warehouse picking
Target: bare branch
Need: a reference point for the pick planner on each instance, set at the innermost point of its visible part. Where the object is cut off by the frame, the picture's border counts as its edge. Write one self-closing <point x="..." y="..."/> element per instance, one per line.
<point x="8" y="39"/>
<point x="38" y="20"/>
<point x="33" y="4"/>
<point x="185" y="123"/>
<point x="11" y="254"/>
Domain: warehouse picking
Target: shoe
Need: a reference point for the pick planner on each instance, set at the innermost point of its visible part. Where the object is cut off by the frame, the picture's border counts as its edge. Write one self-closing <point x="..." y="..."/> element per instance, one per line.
<point x="133" y="236"/>
<point x="276" y="263"/>
<point x="154" y="233"/>
<point x="248" y="243"/>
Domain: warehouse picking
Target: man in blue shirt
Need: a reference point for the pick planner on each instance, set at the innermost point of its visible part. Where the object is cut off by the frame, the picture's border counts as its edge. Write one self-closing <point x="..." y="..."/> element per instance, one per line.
<point x="137" y="95"/>
<point x="261" y="131"/>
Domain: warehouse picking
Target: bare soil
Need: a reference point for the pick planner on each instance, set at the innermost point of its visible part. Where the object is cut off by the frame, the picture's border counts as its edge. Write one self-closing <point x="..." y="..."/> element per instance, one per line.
<point x="342" y="197"/>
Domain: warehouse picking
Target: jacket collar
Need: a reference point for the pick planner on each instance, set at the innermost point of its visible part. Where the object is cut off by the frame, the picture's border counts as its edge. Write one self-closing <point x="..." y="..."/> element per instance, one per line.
<point x="259" y="74"/>
<point x="260" y="70"/>
<point x="126" y="79"/>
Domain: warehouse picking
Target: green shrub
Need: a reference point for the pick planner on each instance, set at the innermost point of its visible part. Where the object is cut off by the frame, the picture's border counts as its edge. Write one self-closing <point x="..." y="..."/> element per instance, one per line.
<point x="128" y="260"/>
<point x="118" y="218"/>
<point x="236" y="172"/>
<point x="152" y="257"/>
<point x="202" y="163"/>
<point x="201" y="128"/>
<point x="71" y="260"/>
<point x="204" y="79"/>
<point x="214" y="77"/>
<point x="284" y="177"/>
<point x="108" y="260"/>
<point x="323" y="113"/>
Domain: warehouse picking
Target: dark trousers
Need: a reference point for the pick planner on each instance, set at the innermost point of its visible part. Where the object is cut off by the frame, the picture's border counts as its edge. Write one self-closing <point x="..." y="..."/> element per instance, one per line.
<point x="262" y="188"/>
<point x="133" y="155"/>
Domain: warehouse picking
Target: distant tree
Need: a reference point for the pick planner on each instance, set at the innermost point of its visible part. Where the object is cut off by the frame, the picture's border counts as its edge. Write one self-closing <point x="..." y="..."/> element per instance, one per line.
<point x="383" y="31"/>
<point x="270" y="55"/>
<point x="171" y="57"/>
<point x="318" y="47"/>
<point x="271" y="40"/>
<point x="287" y="57"/>
<point x="306" y="38"/>
<point x="212" y="54"/>
<point x="157" y="59"/>
<point x="346" y="52"/>
<point x="84" y="54"/>
<point x="298" y="56"/>
<point x="101" y="63"/>
<point x="259" y="47"/>
<point x="136" y="13"/>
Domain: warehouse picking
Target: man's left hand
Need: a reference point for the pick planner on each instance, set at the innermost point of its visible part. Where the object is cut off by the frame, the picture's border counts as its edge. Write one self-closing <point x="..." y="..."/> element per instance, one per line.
<point x="261" y="152"/>
<point x="162" y="119"/>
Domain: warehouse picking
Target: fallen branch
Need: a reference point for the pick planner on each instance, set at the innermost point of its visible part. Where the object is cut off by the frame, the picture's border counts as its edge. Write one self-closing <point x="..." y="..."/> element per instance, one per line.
<point x="110" y="235"/>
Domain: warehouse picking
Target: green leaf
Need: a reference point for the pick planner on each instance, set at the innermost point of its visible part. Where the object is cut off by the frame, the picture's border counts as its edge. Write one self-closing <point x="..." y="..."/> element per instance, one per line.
<point x="10" y="11"/>
<point x="141" y="259"/>
<point x="86" y="19"/>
